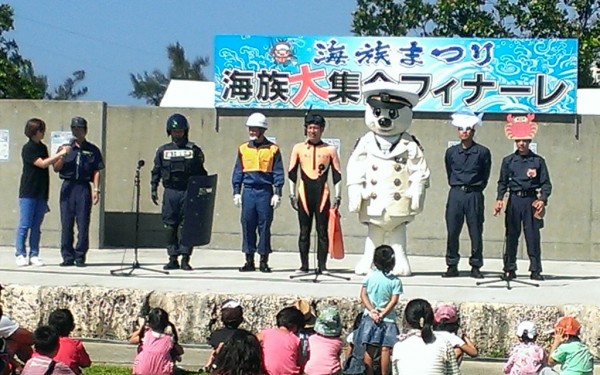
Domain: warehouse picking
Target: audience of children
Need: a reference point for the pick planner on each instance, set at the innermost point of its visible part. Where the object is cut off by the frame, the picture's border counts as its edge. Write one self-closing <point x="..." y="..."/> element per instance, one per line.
<point x="567" y="350"/>
<point x="527" y="357"/>
<point x="157" y="348"/>
<point x="420" y="350"/>
<point x="281" y="345"/>
<point x="446" y="326"/>
<point x="232" y="316"/>
<point x="70" y="351"/>
<point x="379" y="294"/>
<point x="239" y="355"/>
<point x="325" y="345"/>
<point x="45" y="342"/>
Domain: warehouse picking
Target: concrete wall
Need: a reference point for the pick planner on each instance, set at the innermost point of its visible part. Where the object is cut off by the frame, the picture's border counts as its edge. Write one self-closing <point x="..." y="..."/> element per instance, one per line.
<point x="128" y="134"/>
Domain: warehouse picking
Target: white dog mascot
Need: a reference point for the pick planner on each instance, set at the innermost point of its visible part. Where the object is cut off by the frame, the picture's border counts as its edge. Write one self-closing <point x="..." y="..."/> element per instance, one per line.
<point x="387" y="173"/>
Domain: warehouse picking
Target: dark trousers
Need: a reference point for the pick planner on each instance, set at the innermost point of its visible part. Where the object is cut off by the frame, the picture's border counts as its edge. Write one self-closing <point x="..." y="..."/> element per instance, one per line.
<point x="75" y="207"/>
<point x="257" y="214"/>
<point x="305" y="220"/>
<point x="172" y="216"/>
<point x="519" y="213"/>
<point x="470" y="205"/>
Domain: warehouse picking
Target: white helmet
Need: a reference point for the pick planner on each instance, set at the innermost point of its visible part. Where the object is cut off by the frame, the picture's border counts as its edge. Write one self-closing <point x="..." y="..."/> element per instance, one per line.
<point x="257" y="120"/>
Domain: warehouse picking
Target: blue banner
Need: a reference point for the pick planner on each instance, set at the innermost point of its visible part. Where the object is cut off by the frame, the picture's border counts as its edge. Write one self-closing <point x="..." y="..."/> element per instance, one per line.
<point x="486" y="75"/>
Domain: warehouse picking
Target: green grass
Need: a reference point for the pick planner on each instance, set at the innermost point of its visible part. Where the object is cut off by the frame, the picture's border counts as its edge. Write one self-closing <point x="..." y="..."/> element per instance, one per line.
<point x="122" y="370"/>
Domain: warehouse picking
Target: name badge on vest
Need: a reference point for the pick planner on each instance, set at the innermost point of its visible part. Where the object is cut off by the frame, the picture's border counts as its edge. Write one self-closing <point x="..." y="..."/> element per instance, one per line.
<point x="172" y="154"/>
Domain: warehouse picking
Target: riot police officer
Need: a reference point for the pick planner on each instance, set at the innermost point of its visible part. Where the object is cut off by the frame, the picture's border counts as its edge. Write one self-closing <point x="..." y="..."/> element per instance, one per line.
<point x="174" y="163"/>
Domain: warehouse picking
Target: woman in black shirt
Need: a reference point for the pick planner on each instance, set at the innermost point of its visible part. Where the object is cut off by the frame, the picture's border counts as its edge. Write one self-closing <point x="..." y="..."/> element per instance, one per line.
<point x="33" y="192"/>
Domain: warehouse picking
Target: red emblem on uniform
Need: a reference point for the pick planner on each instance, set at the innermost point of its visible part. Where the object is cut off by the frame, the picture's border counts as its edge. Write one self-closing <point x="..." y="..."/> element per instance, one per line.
<point x="531" y="173"/>
<point x="520" y="127"/>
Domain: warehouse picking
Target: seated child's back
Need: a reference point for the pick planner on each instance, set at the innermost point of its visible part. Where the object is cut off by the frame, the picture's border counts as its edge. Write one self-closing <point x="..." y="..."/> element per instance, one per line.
<point x="70" y="351"/>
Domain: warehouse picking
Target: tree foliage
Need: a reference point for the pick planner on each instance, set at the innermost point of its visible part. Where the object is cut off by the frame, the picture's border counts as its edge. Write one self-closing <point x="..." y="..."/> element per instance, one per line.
<point x="152" y="86"/>
<point x="17" y="77"/>
<point x="68" y="90"/>
<point x="483" y="18"/>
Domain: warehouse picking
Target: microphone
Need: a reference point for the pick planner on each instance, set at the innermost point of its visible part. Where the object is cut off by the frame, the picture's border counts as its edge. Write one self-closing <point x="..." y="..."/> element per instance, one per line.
<point x="141" y="163"/>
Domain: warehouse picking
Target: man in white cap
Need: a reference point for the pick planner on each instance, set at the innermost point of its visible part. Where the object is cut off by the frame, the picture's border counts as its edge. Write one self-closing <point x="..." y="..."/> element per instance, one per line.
<point x="259" y="169"/>
<point x="468" y="166"/>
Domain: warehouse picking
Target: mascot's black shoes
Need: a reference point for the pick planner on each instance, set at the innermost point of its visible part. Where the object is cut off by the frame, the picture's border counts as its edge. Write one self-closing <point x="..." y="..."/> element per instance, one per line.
<point x="509" y="275"/>
<point x="172" y="265"/>
<point x="536" y="276"/>
<point x="452" y="271"/>
<point x="475" y="273"/>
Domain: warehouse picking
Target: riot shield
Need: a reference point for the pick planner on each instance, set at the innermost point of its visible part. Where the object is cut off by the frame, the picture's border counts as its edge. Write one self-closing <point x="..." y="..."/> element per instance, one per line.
<point x="198" y="210"/>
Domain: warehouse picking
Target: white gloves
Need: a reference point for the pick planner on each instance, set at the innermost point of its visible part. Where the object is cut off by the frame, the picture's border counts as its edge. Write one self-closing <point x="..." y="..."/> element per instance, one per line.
<point x="414" y="192"/>
<point x="275" y="201"/>
<point x="354" y="197"/>
<point x="237" y="200"/>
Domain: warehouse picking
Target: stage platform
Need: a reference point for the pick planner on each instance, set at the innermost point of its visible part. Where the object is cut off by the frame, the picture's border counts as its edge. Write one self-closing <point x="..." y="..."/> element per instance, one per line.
<point x="216" y="271"/>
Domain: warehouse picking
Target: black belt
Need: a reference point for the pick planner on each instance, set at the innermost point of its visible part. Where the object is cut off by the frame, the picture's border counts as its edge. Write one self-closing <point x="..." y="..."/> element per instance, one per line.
<point x="468" y="188"/>
<point x="525" y="193"/>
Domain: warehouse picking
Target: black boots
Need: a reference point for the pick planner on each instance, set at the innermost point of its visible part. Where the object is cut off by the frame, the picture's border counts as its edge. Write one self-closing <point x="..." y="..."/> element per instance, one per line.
<point x="172" y="265"/>
<point x="249" y="265"/>
<point x="185" y="263"/>
<point x="452" y="271"/>
<point x="476" y="273"/>
<point x="264" y="264"/>
<point x="536" y="275"/>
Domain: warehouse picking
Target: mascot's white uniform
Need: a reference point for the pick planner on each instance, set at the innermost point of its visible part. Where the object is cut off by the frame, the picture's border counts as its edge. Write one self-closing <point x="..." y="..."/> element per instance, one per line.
<point x="387" y="173"/>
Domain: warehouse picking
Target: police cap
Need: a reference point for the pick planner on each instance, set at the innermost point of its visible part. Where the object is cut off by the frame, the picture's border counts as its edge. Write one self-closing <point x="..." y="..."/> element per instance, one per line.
<point x="78" y="122"/>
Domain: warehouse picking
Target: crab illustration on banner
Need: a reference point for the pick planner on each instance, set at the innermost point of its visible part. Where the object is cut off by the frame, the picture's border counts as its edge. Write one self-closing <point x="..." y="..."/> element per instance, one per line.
<point x="520" y="127"/>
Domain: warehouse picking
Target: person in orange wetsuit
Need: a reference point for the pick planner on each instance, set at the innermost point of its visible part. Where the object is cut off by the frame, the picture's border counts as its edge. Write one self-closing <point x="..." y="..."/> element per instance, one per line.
<point x="310" y="163"/>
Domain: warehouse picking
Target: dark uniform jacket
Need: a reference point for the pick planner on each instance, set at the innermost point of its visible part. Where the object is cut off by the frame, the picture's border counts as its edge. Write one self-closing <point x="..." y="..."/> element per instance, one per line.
<point x="524" y="173"/>
<point x="176" y="164"/>
<point x="469" y="167"/>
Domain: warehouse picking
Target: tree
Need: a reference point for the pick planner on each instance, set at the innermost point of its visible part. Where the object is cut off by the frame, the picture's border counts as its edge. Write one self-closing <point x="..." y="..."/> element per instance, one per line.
<point x="17" y="77"/>
<point x="481" y="18"/>
<point x="66" y="91"/>
<point x="152" y="87"/>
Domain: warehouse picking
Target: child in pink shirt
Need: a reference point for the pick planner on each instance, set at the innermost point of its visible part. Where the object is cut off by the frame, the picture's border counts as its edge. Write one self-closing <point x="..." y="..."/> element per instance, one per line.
<point x="325" y="347"/>
<point x="281" y="346"/>
<point x="156" y="347"/>
<point x="527" y="357"/>
<point x="70" y="351"/>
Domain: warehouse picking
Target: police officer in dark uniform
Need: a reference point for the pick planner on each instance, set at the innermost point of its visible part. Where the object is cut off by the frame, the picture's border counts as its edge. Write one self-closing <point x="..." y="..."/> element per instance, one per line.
<point x="525" y="177"/>
<point x="468" y="166"/>
<point x="80" y="171"/>
<point x="174" y="163"/>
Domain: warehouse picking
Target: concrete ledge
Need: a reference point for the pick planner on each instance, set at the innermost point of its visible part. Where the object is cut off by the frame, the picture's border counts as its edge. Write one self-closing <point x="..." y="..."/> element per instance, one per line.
<point x="107" y="313"/>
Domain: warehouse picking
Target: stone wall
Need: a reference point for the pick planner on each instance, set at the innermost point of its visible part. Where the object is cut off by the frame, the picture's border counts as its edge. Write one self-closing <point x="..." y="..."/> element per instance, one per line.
<point x="112" y="314"/>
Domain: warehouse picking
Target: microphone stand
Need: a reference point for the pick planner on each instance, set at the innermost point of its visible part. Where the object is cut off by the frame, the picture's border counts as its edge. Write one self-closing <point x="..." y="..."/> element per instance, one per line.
<point x="136" y="264"/>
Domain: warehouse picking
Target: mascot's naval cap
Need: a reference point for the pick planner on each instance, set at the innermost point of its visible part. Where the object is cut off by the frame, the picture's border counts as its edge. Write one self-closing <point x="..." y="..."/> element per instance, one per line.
<point x="466" y="118"/>
<point x="388" y="95"/>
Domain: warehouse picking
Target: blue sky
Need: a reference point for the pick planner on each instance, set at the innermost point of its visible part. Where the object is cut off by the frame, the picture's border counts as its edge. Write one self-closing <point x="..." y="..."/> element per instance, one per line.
<point x="111" y="38"/>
